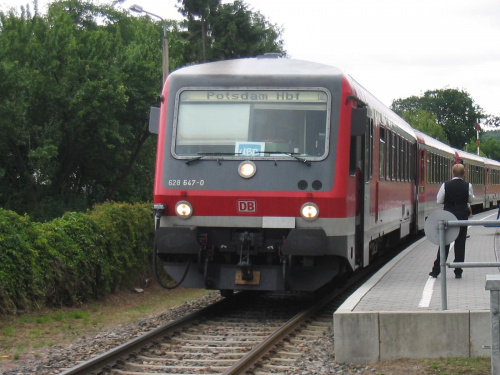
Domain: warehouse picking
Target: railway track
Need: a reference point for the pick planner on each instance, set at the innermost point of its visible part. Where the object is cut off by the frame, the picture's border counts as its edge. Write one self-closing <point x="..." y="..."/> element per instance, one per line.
<point x="250" y="333"/>
<point x="245" y="334"/>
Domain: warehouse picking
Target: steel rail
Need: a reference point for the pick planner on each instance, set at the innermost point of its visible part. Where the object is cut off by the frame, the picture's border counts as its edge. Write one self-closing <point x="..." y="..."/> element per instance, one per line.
<point x="107" y="359"/>
<point x="255" y="355"/>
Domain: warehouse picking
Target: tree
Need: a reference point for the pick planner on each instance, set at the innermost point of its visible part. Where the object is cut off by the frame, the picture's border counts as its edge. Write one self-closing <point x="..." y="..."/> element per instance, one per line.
<point x="492" y="121"/>
<point x="199" y="9"/>
<point x="454" y="109"/>
<point x="239" y="32"/>
<point x="491" y="148"/>
<point x="76" y="87"/>
<point x="227" y="31"/>
<point x="426" y="123"/>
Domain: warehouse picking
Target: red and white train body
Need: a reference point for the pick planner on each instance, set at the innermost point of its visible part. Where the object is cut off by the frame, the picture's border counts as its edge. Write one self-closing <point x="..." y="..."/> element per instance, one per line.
<point x="278" y="174"/>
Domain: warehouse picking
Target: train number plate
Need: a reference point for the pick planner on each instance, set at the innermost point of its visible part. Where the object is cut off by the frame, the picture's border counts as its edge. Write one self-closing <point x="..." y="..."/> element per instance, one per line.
<point x="255" y="281"/>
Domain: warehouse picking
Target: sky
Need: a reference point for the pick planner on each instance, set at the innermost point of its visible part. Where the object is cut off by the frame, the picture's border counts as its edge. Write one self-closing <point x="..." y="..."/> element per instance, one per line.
<point x="394" y="48"/>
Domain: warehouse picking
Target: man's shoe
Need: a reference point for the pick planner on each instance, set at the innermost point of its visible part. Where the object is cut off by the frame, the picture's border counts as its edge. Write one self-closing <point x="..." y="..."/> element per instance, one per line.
<point x="458" y="276"/>
<point x="434" y="275"/>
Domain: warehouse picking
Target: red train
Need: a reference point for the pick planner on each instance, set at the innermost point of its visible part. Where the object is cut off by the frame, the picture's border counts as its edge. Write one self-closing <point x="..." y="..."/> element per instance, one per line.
<point x="278" y="174"/>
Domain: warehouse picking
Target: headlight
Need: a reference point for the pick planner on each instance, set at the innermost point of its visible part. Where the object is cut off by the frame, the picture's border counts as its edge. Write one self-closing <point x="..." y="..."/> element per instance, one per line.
<point x="247" y="169"/>
<point x="309" y="211"/>
<point x="183" y="209"/>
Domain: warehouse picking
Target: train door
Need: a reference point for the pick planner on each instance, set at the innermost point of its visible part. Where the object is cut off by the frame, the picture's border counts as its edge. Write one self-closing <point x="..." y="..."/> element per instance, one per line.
<point x="420" y="185"/>
<point x="361" y="167"/>
<point x="365" y="191"/>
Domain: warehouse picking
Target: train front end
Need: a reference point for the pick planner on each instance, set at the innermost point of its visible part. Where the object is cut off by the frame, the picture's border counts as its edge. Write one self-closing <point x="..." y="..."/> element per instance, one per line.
<point x="245" y="192"/>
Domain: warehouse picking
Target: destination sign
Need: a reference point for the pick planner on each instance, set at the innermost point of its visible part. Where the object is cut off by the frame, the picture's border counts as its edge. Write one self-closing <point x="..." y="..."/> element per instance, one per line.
<point x="254" y="96"/>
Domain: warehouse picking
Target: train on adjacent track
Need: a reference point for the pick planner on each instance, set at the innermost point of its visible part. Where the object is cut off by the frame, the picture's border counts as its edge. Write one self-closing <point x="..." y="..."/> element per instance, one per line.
<point x="279" y="174"/>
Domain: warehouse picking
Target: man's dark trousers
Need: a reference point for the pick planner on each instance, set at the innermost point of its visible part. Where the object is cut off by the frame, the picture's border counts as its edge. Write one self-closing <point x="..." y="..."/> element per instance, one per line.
<point x="459" y="252"/>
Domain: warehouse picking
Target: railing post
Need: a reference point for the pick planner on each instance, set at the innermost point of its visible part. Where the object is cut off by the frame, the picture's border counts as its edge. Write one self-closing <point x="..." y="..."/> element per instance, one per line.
<point x="493" y="285"/>
<point x="442" y="256"/>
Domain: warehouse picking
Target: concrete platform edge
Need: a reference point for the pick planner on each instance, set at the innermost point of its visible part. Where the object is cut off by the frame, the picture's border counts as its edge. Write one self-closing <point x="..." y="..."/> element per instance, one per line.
<point x="363" y="337"/>
<point x="369" y="337"/>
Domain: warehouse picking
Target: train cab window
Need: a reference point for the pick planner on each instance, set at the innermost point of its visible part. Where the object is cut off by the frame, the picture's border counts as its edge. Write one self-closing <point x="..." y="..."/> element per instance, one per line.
<point x="256" y="123"/>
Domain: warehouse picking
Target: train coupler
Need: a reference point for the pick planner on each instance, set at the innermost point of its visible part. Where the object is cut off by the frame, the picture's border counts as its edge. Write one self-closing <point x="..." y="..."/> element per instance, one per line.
<point x="246" y="271"/>
<point x="244" y="264"/>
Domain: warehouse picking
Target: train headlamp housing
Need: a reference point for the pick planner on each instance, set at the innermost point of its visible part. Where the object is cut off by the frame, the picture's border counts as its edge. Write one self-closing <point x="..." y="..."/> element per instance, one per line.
<point x="247" y="169"/>
<point x="183" y="209"/>
<point x="309" y="211"/>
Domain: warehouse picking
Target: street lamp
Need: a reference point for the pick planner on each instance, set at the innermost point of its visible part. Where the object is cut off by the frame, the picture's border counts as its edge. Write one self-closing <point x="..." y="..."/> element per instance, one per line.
<point x="138" y="9"/>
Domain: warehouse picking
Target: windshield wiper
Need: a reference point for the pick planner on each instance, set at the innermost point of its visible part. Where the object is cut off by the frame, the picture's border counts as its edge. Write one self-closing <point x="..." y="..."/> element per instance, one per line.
<point x="203" y="154"/>
<point x="294" y="155"/>
<point x="196" y="158"/>
<point x="291" y="154"/>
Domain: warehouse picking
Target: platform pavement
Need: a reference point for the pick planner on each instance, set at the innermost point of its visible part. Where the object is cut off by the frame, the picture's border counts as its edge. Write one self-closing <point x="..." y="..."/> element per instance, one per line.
<point x="398" y="312"/>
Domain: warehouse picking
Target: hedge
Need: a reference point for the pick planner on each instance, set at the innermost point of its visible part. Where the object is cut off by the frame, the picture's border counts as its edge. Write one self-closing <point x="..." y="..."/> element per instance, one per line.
<point x="75" y="258"/>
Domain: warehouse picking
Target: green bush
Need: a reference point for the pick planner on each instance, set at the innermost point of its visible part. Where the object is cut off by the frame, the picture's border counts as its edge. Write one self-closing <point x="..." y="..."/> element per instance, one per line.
<point x="17" y="262"/>
<point x="72" y="259"/>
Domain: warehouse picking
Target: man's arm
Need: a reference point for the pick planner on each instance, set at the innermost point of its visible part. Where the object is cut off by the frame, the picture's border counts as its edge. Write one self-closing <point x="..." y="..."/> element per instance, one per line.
<point x="471" y="194"/>
<point x="440" y="196"/>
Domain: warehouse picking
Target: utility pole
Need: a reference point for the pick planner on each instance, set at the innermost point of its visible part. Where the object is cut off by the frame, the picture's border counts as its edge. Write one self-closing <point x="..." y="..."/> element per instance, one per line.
<point x="139" y="9"/>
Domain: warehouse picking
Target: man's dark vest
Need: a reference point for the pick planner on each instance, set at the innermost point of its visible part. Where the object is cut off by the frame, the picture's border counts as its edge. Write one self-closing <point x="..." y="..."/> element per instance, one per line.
<point x="456" y="195"/>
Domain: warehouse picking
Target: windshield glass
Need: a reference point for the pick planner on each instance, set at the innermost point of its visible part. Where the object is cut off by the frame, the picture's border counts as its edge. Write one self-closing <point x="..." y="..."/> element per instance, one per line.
<point x="256" y="123"/>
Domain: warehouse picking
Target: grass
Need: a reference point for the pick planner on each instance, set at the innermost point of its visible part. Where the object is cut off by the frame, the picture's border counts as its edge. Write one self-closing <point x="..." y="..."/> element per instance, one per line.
<point x="461" y="366"/>
<point x="24" y="337"/>
<point x="435" y="366"/>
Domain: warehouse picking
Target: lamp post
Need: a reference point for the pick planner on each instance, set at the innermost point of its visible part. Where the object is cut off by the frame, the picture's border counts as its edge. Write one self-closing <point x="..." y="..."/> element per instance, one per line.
<point x="138" y="9"/>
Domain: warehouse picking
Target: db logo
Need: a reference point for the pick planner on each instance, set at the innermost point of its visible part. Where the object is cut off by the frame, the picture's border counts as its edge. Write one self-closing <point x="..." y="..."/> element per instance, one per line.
<point x="247" y="206"/>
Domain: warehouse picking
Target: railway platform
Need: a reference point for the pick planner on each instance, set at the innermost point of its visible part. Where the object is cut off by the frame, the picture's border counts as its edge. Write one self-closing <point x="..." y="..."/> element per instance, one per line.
<point x="398" y="312"/>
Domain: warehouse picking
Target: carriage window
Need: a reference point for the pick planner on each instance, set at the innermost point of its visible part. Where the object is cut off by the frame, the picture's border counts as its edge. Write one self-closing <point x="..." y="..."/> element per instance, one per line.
<point x="382" y="153"/>
<point x="393" y="153"/>
<point x="368" y="176"/>
<point x="429" y="167"/>
<point x="388" y="156"/>
<point x="397" y="152"/>
<point x="251" y="123"/>
<point x="422" y="166"/>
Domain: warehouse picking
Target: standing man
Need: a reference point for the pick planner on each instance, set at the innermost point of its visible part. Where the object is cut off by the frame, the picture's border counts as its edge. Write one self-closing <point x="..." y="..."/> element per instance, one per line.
<point x="455" y="194"/>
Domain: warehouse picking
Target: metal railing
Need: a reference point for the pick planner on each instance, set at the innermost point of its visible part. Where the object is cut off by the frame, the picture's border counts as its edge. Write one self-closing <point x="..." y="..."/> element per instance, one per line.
<point x="492" y="281"/>
<point x="443" y="225"/>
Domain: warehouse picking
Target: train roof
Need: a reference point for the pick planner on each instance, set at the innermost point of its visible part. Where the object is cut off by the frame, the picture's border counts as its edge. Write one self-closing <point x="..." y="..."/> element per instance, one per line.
<point x="433" y="143"/>
<point x="471" y="157"/>
<point x="491" y="162"/>
<point x="261" y="65"/>
<point x="386" y="115"/>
